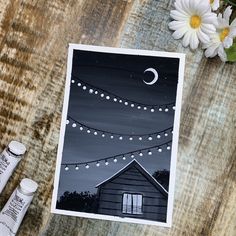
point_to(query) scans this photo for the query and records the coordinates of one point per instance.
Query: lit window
(132, 203)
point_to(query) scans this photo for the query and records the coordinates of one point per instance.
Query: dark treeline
(84, 202)
(162, 176)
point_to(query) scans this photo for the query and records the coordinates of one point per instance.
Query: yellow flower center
(211, 1)
(195, 21)
(224, 33)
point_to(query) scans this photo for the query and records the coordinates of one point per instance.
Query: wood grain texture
(34, 37)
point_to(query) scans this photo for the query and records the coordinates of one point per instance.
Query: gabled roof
(142, 170)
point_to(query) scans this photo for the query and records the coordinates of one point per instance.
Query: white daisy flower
(215, 4)
(223, 37)
(193, 20)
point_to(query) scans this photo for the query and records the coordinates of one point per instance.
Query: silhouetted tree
(83, 201)
(162, 176)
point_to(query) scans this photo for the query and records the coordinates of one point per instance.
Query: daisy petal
(204, 38)
(232, 32)
(227, 13)
(215, 5)
(211, 51)
(210, 19)
(179, 8)
(175, 25)
(185, 6)
(228, 42)
(186, 39)
(177, 15)
(203, 7)
(222, 54)
(194, 41)
(233, 23)
(208, 28)
(180, 33)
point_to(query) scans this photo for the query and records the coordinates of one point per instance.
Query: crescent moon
(155, 76)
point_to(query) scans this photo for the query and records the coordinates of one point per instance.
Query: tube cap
(28, 185)
(17, 148)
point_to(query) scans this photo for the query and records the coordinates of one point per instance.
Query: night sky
(121, 75)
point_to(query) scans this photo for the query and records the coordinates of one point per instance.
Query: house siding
(132, 181)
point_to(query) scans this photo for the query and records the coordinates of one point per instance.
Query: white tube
(13, 212)
(9, 159)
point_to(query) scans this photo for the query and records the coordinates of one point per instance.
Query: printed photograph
(117, 146)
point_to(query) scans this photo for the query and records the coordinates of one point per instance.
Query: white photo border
(174, 149)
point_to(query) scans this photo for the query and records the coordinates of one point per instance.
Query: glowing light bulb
(120, 101)
(97, 164)
(150, 138)
(168, 147)
(144, 108)
(166, 134)
(120, 138)
(149, 152)
(132, 105)
(126, 103)
(139, 107)
(160, 109)
(140, 138)
(124, 158)
(115, 99)
(79, 84)
(159, 149)
(88, 131)
(84, 87)
(132, 155)
(96, 92)
(166, 109)
(81, 128)
(67, 122)
(74, 125)
(112, 136)
(130, 138)
(102, 95)
(72, 81)
(107, 97)
(106, 163)
(158, 136)
(87, 166)
(95, 133)
(173, 107)
(103, 135)
(90, 90)
(66, 168)
(76, 167)
(152, 109)
(115, 160)
(140, 154)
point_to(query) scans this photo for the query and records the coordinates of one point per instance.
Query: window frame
(132, 205)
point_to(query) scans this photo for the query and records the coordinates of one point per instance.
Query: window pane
(135, 199)
(124, 203)
(139, 204)
(129, 203)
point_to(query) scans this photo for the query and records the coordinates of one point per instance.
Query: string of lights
(120, 136)
(104, 94)
(115, 158)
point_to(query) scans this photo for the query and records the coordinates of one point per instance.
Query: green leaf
(231, 2)
(231, 53)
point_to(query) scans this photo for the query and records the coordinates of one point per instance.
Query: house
(133, 192)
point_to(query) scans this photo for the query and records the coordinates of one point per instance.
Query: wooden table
(34, 40)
